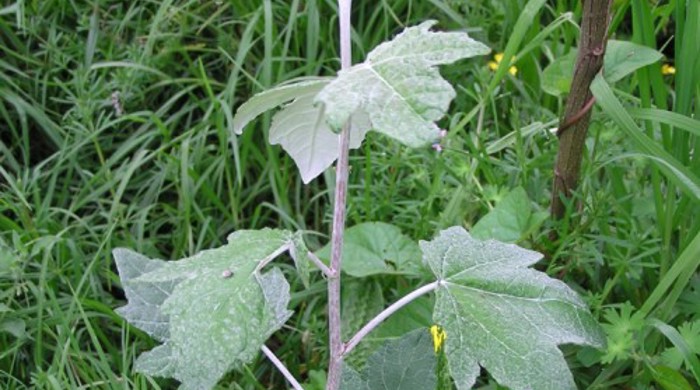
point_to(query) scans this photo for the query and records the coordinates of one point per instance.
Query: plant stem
(319, 264)
(341, 189)
(574, 124)
(283, 369)
(374, 322)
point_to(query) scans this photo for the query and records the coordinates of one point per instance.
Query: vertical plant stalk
(335, 364)
(574, 125)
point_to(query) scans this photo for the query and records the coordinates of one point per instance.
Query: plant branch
(374, 322)
(319, 264)
(341, 190)
(574, 125)
(282, 368)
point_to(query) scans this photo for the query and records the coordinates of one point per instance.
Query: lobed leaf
(406, 363)
(214, 310)
(399, 86)
(502, 316)
(300, 126)
(372, 248)
(272, 98)
(511, 220)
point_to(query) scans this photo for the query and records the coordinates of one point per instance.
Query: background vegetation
(115, 131)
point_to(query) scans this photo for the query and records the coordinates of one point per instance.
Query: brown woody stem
(577, 114)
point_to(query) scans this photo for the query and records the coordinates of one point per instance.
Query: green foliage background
(167, 179)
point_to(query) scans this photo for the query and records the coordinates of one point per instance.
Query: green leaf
(415, 315)
(557, 76)
(372, 248)
(213, 310)
(407, 363)
(670, 379)
(362, 300)
(14, 326)
(399, 86)
(674, 170)
(274, 97)
(300, 126)
(352, 380)
(621, 59)
(673, 356)
(504, 316)
(8, 258)
(145, 299)
(301, 129)
(299, 253)
(510, 220)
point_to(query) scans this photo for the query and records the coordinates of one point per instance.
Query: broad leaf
(301, 129)
(300, 126)
(362, 301)
(504, 316)
(213, 310)
(267, 100)
(399, 86)
(621, 59)
(376, 248)
(352, 380)
(670, 379)
(557, 76)
(511, 219)
(145, 299)
(407, 363)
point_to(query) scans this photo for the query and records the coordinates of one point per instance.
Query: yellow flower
(439, 337)
(668, 69)
(493, 65)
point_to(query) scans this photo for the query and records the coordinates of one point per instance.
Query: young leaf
(217, 310)
(621, 59)
(376, 248)
(504, 316)
(301, 129)
(300, 126)
(274, 97)
(399, 86)
(510, 220)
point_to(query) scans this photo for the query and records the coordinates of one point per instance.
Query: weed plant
(115, 131)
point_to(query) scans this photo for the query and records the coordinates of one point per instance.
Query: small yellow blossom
(439, 337)
(668, 69)
(493, 65)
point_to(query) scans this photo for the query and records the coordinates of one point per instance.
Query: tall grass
(167, 179)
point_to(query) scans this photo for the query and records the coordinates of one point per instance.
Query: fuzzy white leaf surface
(503, 316)
(274, 97)
(214, 310)
(301, 129)
(399, 85)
